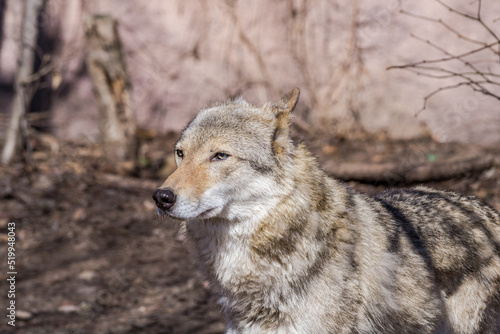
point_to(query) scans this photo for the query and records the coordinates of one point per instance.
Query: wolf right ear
(288, 101)
(282, 144)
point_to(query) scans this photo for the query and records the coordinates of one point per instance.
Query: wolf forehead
(223, 120)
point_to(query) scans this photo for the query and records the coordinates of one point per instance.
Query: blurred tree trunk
(3, 5)
(112, 87)
(17, 125)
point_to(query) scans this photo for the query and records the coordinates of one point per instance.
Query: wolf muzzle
(164, 198)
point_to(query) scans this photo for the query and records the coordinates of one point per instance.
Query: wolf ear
(288, 101)
(282, 144)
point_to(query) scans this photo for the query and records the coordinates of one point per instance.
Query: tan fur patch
(190, 179)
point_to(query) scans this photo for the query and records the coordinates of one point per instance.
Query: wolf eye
(179, 153)
(219, 156)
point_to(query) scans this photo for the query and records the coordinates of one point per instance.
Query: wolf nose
(164, 198)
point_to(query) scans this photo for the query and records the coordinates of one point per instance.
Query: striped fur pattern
(290, 250)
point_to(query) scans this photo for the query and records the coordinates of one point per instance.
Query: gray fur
(290, 250)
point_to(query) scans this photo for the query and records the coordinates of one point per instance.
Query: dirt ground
(92, 256)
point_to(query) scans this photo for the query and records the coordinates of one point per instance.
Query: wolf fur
(290, 250)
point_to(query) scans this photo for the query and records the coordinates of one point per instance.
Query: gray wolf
(290, 250)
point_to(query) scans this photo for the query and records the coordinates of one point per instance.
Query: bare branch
(450, 56)
(439, 90)
(475, 85)
(445, 25)
(475, 18)
(45, 68)
(451, 74)
(453, 10)
(459, 57)
(478, 80)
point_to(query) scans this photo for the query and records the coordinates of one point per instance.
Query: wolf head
(227, 159)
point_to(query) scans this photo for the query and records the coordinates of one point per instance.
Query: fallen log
(397, 172)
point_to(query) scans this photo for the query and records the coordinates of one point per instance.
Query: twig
(444, 24)
(439, 90)
(450, 73)
(440, 60)
(475, 18)
(45, 68)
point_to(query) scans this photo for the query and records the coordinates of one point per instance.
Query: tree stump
(112, 88)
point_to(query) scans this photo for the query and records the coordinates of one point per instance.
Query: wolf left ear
(282, 143)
